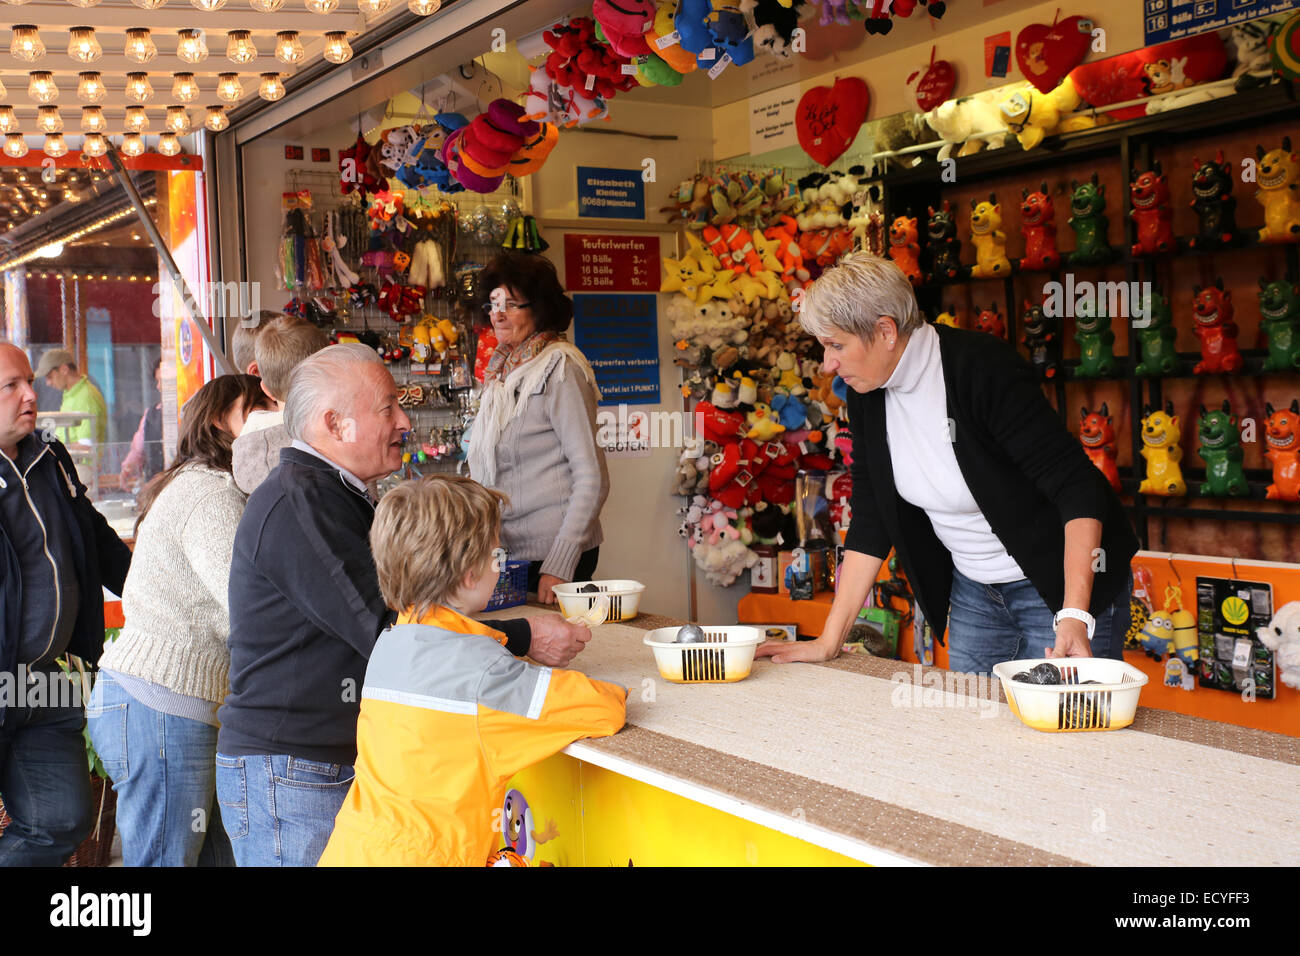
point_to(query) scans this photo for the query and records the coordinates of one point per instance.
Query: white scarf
(504, 399)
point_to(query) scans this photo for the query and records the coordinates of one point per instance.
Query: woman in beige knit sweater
(535, 434)
(152, 715)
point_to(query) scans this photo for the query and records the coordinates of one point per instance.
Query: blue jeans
(45, 783)
(163, 773)
(279, 810)
(992, 623)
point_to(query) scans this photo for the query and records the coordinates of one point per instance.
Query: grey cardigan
(548, 463)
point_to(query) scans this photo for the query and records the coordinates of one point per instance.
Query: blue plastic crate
(512, 586)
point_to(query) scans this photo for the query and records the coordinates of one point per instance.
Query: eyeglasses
(512, 307)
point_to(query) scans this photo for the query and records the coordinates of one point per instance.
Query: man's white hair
(852, 295)
(324, 382)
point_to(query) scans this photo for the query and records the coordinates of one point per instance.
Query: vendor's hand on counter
(556, 642)
(1071, 639)
(546, 588)
(785, 652)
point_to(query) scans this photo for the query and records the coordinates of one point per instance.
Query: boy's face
(476, 590)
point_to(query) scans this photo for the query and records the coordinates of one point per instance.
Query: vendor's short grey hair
(325, 381)
(852, 296)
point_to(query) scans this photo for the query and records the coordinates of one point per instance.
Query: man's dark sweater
(305, 611)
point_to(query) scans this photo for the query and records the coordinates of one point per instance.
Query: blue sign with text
(1164, 20)
(619, 334)
(610, 193)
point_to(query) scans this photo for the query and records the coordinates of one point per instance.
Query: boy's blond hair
(428, 534)
(245, 337)
(281, 347)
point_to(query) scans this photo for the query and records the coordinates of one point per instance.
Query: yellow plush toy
(448, 331)
(1160, 436)
(1033, 115)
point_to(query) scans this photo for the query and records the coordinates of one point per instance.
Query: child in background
(282, 344)
(448, 715)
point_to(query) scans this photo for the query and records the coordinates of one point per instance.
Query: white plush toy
(957, 120)
(1282, 636)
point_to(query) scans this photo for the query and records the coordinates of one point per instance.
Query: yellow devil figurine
(990, 241)
(1161, 449)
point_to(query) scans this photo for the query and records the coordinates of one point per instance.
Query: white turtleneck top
(926, 472)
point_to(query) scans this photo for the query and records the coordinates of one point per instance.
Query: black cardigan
(1027, 473)
(305, 612)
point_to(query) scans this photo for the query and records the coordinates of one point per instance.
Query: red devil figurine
(1212, 309)
(1149, 194)
(904, 248)
(990, 320)
(1038, 226)
(1097, 435)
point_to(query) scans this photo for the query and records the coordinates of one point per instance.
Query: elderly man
(305, 611)
(56, 554)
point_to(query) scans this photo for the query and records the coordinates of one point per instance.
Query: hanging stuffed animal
(772, 23)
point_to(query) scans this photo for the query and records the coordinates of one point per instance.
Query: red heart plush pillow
(1131, 76)
(1046, 54)
(930, 85)
(828, 118)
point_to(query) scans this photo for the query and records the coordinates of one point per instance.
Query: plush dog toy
(1282, 637)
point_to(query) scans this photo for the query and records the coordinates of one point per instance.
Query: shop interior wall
(639, 520)
(885, 61)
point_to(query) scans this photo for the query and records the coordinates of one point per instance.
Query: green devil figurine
(1096, 342)
(1156, 340)
(1279, 319)
(1221, 450)
(1088, 220)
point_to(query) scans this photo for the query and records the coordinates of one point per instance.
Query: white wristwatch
(1078, 615)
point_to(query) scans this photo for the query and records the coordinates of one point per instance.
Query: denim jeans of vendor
(44, 782)
(279, 810)
(992, 623)
(163, 773)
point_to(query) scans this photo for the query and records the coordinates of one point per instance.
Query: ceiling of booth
(111, 19)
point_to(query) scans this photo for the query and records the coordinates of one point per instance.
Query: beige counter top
(851, 756)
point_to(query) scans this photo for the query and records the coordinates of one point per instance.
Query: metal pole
(178, 280)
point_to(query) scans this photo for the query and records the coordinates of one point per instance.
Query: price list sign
(595, 263)
(619, 334)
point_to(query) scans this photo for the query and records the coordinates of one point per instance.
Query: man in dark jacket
(57, 553)
(306, 610)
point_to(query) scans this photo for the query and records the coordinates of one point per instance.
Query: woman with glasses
(535, 434)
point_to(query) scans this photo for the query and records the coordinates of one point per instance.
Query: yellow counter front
(864, 760)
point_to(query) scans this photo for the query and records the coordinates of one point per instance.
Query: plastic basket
(512, 586)
(624, 598)
(1107, 705)
(726, 655)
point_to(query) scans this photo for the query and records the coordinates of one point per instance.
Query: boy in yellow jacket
(448, 715)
